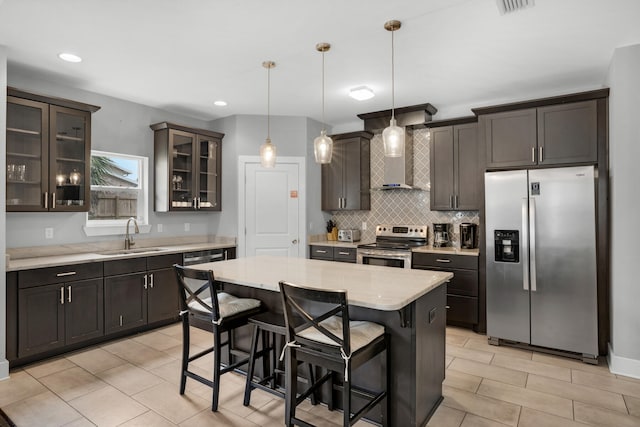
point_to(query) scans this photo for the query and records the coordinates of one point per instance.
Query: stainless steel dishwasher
(208, 255)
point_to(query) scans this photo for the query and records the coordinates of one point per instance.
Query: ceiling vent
(508, 6)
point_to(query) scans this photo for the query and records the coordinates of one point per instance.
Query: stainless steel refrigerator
(541, 258)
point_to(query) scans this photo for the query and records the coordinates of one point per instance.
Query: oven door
(384, 258)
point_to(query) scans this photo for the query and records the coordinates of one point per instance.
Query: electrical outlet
(48, 233)
(187, 226)
(159, 228)
(364, 225)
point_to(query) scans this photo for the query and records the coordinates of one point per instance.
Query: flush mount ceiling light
(323, 145)
(361, 93)
(220, 103)
(268, 150)
(393, 135)
(69, 57)
(508, 6)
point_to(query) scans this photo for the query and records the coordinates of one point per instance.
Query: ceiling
(182, 55)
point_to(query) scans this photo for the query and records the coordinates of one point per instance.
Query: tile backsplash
(402, 206)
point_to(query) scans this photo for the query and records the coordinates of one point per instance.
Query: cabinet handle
(447, 307)
(62, 295)
(68, 273)
(321, 251)
(533, 154)
(451, 201)
(69, 293)
(53, 200)
(455, 201)
(540, 155)
(443, 260)
(145, 281)
(121, 320)
(344, 253)
(151, 280)
(225, 255)
(46, 200)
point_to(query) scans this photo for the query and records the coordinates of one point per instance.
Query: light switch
(187, 226)
(159, 228)
(48, 233)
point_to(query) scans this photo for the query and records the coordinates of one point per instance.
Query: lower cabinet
(57, 314)
(333, 253)
(140, 291)
(462, 290)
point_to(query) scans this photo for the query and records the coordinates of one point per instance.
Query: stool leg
(274, 360)
(330, 405)
(216, 368)
(252, 364)
(185, 351)
(291, 387)
(387, 383)
(346, 399)
(312, 381)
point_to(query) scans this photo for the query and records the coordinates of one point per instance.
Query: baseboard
(4, 369)
(623, 366)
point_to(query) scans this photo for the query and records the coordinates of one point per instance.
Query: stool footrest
(199, 355)
(198, 378)
(308, 392)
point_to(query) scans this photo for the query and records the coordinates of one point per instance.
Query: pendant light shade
(323, 145)
(268, 150)
(393, 136)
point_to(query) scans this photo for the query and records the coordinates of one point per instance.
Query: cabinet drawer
(61, 274)
(125, 266)
(421, 259)
(163, 261)
(464, 282)
(462, 309)
(322, 252)
(344, 254)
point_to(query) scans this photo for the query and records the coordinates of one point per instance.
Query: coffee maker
(468, 235)
(441, 235)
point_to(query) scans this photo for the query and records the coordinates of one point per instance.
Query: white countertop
(81, 258)
(336, 244)
(447, 250)
(381, 288)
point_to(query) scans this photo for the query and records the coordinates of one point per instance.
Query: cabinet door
(510, 138)
(441, 168)
(125, 304)
(568, 133)
(84, 310)
(27, 155)
(41, 319)
(354, 195)
(466, 167)
(69, 152)
(162, 295)
(209, 163)
(332, 179)
(182, 152)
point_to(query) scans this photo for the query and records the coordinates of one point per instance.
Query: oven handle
(375, 255)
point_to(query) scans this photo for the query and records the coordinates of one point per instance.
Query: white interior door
(273, 209)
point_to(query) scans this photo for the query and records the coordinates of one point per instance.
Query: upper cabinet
(48, 152)
(454, 165)
(346, 180)
(563, 132)
(187, 168)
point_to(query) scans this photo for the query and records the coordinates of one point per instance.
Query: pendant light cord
(323, 120)
(269, 104)
(393, 79)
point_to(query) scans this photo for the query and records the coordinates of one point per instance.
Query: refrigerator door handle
(532, 241)
(524, 244)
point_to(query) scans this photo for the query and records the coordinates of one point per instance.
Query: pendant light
(393, 136)
(323, 145)
(268, 150)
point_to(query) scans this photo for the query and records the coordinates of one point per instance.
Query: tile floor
(133, 382)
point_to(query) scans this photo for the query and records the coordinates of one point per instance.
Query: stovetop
(398, 237)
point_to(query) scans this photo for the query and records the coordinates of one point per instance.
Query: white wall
(4, 365)
(624, 153)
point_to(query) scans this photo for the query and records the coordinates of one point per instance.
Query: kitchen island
(409, 303)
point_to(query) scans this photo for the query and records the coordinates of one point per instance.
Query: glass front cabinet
(187, 168)
(48, 152)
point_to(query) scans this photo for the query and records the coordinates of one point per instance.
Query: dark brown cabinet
(140, 291)
(333, 253)
(462, 290)
(454, 168)
(58, 308)
(542, 136)
(346, 180)
(187, 168)
(48, 152)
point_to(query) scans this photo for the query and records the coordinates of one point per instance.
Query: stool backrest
(195, 287)
(306, 308)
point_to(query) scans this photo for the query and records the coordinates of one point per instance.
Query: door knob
(294, 241)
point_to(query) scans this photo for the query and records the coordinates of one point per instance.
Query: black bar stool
(201, 298)
(269, 328)
(333, 341)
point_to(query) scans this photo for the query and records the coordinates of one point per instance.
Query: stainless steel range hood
(398, 171)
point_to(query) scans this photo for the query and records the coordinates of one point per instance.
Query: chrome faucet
(128, 239)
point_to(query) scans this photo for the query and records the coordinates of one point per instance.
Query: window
(119, 191)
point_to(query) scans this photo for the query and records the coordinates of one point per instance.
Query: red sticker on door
(293, 194)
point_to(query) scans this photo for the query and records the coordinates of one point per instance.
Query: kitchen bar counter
(409, 303)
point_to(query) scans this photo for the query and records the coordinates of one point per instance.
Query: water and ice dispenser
(507, 245)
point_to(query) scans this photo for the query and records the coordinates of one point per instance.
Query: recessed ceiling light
(69, 57)
(220, 103)
(361, 93)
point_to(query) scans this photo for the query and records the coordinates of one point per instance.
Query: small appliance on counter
(349, 235)
(441, 235)
(468, 235)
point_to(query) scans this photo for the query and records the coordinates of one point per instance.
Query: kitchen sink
(131, 251)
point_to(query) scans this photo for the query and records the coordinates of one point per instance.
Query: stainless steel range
(393, 245)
